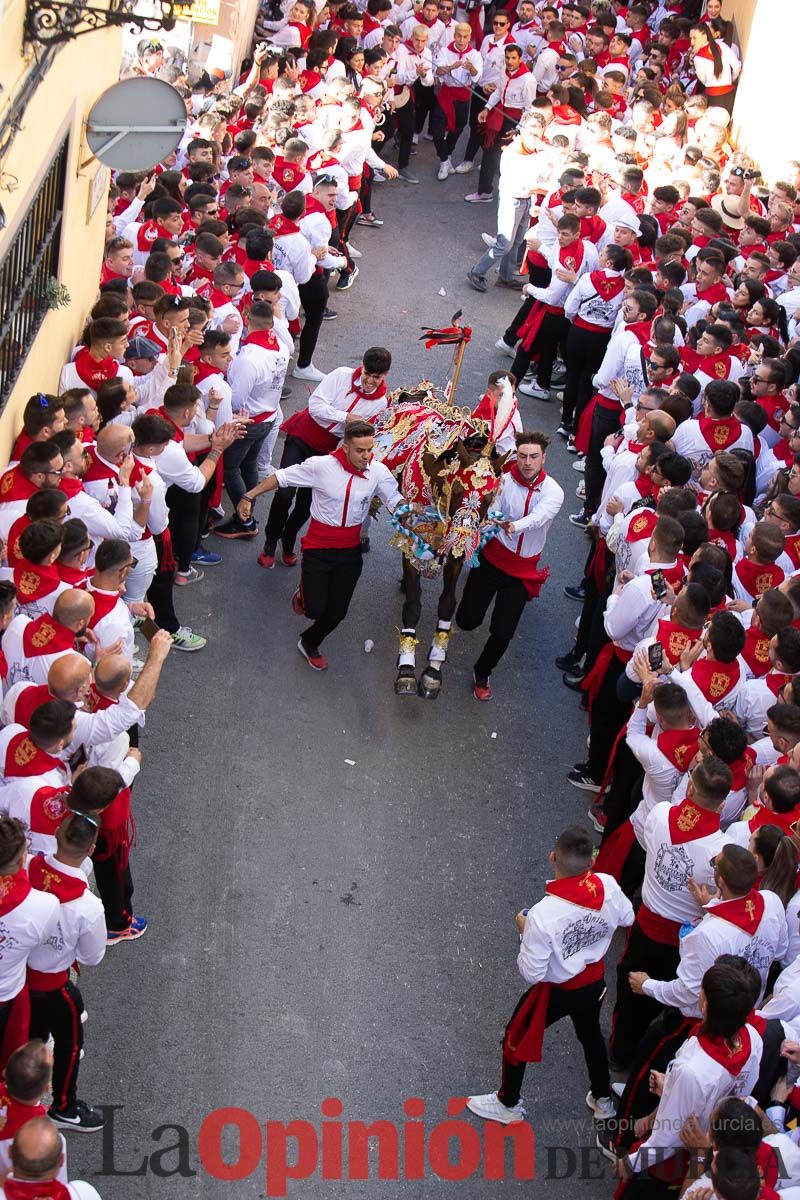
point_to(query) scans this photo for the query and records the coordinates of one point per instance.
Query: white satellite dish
(135, 124)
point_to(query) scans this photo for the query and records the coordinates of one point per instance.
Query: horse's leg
(430, 683)
(406, 682)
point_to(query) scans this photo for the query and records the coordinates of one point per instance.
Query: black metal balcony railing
(29, 262)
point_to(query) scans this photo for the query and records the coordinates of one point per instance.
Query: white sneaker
(580, 463)
(604, 1108)
(618, 1088)
(445, 169)
(309, 373)
(464, 168)
(533, 389)
(415, 140)
(580, 490)
(490, 1108)
(479, 198)
(351, 250)
(488, 239)
(504, 348)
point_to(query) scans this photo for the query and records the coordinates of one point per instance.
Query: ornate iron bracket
(52, 21)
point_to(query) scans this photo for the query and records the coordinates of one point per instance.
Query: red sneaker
(267, 561)
(313, 657)
(297, 603)
(288, 560)
(481, 691)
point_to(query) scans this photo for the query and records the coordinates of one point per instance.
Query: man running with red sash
(342, 486)
(564, 940)
(344, 395)
(509, 572)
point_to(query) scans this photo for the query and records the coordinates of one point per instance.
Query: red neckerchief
(204, 370)
(559, 47)
(565, 114)
(21, 1189)
(262, 337)
(741, 769)
(765, 816)
(14, 1114)
(673, 575)
(70, 485)
(636, 201)
(313, 205)
(46, 878)
(715, 679)
(644, 485)
(530, 484)
(33, 581)
(281, 226)
(13, 552)
(717, 1048)
(756, 651)
(640, 330)
(304, 30)
(745, 912)
(355, 389)
(23, 759)
(593, 228)
(98, 470)
(454, 49)
(688, 822)
(757, 579)
(674, 638)
(726, 539)
(177, 434)
(607, 286)
(768, 1163)
(585, 890)
(320, 160)
(104, 603)
(679, 746)
(775, 680)
(716, 365)
(496, 45)
(218, 299)
(720, 432)
(150, 232)
(420, 20)
(343, 461)
(76, 577)
(15, 486)
(13, 890)
(289, 177)
(308, 80)
(641, 526)
(571, 256)
(45, 636)
(792, 548)
(93, 372)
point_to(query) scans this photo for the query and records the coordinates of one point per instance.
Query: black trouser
(161, 594)
(281, 524)
(490, 161)
(476, 106)
(544, 347)
(424, 103)
(240, 461)
(608, 716)
(773, 1064)
(328, 580)
(632, 1013)
(187, 519)
(405, 118)
(485, 584)
(625, 790)
(365, 194)
(591, 635)
(605, 421)
(59, 1013)
(314, 298)
(662, 1041)
(345, 220)
(444, 139)
(582, 1006)
(114, 885)
(583, 353)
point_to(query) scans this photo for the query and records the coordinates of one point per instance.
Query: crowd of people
(659, 280)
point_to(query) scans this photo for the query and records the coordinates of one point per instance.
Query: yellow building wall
(80, 71)
(763, 121)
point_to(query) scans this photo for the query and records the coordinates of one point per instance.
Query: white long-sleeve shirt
(557, 290)
(660, 773)
(531, 510)
(632, 613)
(583, 301)
(669, 867)
(333, 400)
(339, 497)
(714, 935)
(694, 1085)
(81, 934)
(459, 76)
(292, 253)
(561, 939)
(21, 931)
(519, 92)
(407, 62)
(256, 377)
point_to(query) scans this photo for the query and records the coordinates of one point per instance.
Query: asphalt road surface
(330, 871)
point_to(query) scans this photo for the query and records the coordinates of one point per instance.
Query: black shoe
(605, 1140)
(365, 545)
(569, 662)
(81, 1117)
(580, 779)
(580, 520)
(235, 528)
(573, 680)
(329, 315)
(576, 593)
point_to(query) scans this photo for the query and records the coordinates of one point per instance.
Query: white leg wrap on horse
(408, 641)
(438, 652)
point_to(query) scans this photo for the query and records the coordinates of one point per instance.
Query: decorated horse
(447, 467)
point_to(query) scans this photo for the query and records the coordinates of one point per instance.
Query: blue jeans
(512, 214)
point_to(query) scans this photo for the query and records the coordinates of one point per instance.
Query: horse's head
(464, 479)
